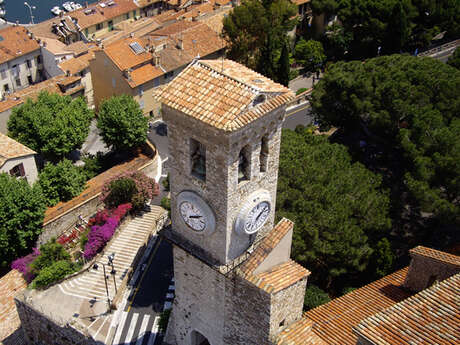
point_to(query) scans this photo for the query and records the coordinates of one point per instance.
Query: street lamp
(30, 10)
(95, 266)
(112, 272)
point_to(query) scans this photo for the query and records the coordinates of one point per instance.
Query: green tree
(314, 297)
(122, 123)
(50, 274)
(382, 259)
(256, 31)
(53, 125)
(282, 75)
(122, 191)
(61, 181)
(310, 54)
(410, 104)
(22, 209)
(50, 253)
(454, 60)
(336, 205)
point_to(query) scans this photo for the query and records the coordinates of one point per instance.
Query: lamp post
(30, 10)
(95, 266)
(112, 272)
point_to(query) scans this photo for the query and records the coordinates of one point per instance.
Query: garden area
(123, 196)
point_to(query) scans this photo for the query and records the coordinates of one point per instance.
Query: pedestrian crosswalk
(91, 284)
(136, 329)
(140, 328)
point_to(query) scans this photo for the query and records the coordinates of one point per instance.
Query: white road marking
(154, 332)
(143, 330)
(121, 325)
(132, 326)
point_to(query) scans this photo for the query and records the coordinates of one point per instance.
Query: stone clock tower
(224, 127)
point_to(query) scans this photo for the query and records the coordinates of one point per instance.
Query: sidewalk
(303, 82)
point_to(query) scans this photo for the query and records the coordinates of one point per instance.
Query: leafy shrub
(165, 183)
(122, 191)
(61, 181)
(100, 217)
(50, 253)
(166, 203)
(164, 318)
(23, 265)
(314, 297)
(53, 273)
(347, 289)
(299, 91)
(84, 239)
(118, 190)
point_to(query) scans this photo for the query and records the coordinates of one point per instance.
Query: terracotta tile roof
(11, 285)
(175, 28)
(430, 317)
(77, 64)
(333, 321)
(436, 254)
(269, 242)
(279, 277)
(15, 42)
(10, 148)
(144, 74)
(69, 80)
(32, 91)
(165, 16)
(123, 56)
(78, 47)
(101, 14)
(222, 97)
(299, 333)
(55, 46)
(215, 22)
(45, 28)
(300, 2)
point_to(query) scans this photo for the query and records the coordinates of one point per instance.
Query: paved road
(154, 293)
(299, 115)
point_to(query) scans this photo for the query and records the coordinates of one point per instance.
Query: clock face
(254, 213)
(193, 216)
(257, 217)
(195, 212)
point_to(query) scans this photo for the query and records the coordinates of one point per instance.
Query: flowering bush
(23, 264)
(99, 235)
(100, 218)
(121, 188)
(64, 239)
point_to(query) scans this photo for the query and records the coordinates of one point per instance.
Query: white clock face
(254, 213)
(195, 212)
(193, 216)
(257, 217)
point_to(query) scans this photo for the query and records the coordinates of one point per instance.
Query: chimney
(428, 266)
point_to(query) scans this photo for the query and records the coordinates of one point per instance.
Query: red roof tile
(15, 42)
(436, 254)
(430, 317)
(11, 285)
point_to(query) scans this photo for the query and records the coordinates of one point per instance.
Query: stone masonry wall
(221, 190)
(286, 307)
(39, 329)
(423, 271)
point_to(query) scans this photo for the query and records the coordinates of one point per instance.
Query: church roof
(430, 317)
(280, 277)
(221, 93)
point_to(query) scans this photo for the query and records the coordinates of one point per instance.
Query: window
(156, 82)
(29, 80)
(6, 87)
(110, 25)
(127, 15)
(3, 73)
(99, 26)
(263, 158)
(39, 59)
(86, 32)
(243, 164)
(15, 69)
(141, 104)
(18, 82)
(134, 14)
(198, 159)
(114, 82)
(29, 63)
(169, 75)
(18, 171)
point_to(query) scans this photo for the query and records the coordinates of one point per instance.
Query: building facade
(21, 62)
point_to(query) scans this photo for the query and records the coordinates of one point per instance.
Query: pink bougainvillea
(23, 264)
(99, 235)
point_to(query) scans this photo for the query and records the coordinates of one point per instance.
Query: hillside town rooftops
(15, 42)
(10, 148)
(430, 317)
(223, 94)
(77, 64)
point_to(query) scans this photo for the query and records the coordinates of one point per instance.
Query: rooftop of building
(15, 42)
(223, 93)
(429, 317)
(10, 148)
(50, 85)
(436, 255)
(77, 64)
(11, 284)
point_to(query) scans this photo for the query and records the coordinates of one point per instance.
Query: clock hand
(195, 216)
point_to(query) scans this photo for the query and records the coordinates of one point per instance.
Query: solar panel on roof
(136, 47)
